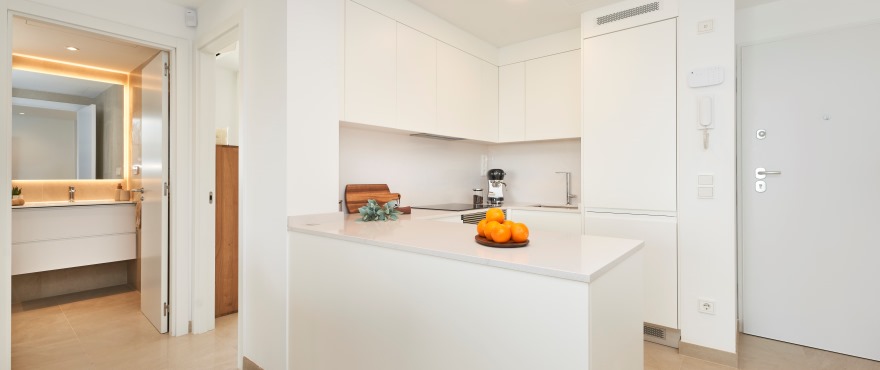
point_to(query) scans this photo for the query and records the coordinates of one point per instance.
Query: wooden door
(226, 232)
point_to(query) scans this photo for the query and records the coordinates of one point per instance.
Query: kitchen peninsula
(421, 294)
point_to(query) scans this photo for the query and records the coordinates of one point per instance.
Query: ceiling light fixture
(21, 113)
(72, 48)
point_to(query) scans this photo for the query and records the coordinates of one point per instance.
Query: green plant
(372, 211)
(16, 190)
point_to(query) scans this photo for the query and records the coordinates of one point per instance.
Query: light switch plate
(705, 179)
(705, 192)
(706, 26)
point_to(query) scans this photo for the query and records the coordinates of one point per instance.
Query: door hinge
(165, 313)
(166, 188)
(167, 69)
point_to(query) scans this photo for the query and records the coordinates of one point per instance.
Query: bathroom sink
(555, 206)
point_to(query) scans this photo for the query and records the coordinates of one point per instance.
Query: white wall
(226, 103)
(540, 47)
(43, 144)
(707, 227)
(784, 18)
(5, 188)
(423, 171)
(531, 170)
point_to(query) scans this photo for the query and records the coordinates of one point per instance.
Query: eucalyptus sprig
(16, 190)
(372, 211)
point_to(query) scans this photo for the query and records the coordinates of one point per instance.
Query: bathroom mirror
(66, 128)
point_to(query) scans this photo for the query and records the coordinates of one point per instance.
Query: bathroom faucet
(568, 194)
(70, 191)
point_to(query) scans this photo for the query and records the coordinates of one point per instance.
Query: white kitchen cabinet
(629, 124)
(467, 95)
(562, 222)
(51, 238)
(370, 66)
(512, 102)
(553, 97)
(416, 81)
(660, 235)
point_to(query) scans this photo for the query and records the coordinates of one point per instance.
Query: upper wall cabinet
(553, 97)
(467, 95)
(370, 66)
(540, 99)
(416, 80)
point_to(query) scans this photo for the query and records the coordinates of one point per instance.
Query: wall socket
(707, 306)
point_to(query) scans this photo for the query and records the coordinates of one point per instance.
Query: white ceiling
(47, 40)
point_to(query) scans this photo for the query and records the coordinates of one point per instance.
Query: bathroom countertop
(65, 203)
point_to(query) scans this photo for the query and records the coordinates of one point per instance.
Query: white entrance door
(810, 247)
(154, 211)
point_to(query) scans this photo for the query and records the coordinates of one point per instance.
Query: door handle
(138, 190)
(761, 173)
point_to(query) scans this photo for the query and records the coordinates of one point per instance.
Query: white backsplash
(531, 170)
(427, 171)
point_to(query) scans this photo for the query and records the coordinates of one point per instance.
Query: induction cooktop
(452, 207)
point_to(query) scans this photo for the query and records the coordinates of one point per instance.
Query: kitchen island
(421, 294)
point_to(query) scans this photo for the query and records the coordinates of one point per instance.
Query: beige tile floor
(104, 329)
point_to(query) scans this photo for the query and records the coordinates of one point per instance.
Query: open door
(154, 201)
(86, 141)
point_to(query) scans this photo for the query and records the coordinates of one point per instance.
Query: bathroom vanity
(59, 235)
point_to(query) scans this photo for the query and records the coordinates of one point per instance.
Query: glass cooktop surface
(452, 207)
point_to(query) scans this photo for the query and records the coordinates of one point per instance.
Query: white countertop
(71, 204)
(572, 257)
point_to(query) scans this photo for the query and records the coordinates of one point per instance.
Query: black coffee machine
(496, 185)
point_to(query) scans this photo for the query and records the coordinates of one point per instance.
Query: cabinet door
(629, 138)
(464, 95)
(561, 222)
(660, 235)
(416, 80)
(370, 66)
(512, 103)
(553, 97)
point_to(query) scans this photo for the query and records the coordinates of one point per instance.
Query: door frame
(207, 45)
(181, 151)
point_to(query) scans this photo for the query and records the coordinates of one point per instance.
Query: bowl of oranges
(495, 231)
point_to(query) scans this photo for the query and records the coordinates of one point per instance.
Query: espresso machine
(496, 186)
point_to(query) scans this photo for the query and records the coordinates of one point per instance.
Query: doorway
(122, 139)
(809, 175)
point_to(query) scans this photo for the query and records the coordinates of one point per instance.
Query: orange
(501, 234)
(481, 226)
(490, 228)
(495, 214)
(519, 232)
(508, 222)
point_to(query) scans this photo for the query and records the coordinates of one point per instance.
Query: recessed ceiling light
(21, 113)
(72, 48)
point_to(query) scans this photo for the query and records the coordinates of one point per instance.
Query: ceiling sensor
(72, 48)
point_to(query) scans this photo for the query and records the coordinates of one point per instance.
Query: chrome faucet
(568, 194)
(70, 191)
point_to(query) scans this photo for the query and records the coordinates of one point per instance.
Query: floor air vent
(624, 14)
(661, 335)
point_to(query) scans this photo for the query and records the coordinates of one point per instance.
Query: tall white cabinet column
(629, 151)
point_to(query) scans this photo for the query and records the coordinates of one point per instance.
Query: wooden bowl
(511, 244)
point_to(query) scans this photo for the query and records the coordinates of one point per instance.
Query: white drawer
(53, 223)
(67, 253)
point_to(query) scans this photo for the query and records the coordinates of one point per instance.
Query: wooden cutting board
(356, 195)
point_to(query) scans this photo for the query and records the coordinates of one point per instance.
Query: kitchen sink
(555, 206)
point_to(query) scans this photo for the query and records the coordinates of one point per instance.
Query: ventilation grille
(475, 218)
(655, 332)
(436, 137)
(624, 14)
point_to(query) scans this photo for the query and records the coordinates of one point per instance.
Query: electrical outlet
(705, 26)
(707, 306)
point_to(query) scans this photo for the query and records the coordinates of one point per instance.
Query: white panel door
(370, 66)
(86, 142)
(553, 96)
(154, 210)
(512, 103)
(416, 81)
(660, 234)
(629, 119)
(810, 250)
